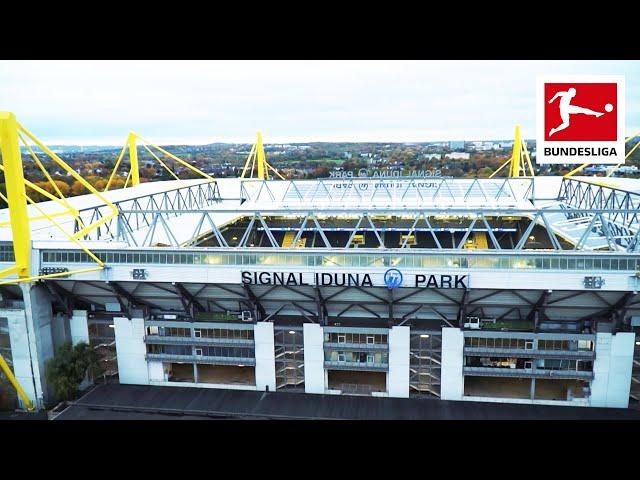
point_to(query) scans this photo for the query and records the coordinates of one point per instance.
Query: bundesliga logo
(580, 119)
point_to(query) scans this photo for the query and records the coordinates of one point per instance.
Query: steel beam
(192, 302)
(255, 302)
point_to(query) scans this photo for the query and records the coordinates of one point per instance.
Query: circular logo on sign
(393, 278)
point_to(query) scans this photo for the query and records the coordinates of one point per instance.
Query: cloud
(203, 101)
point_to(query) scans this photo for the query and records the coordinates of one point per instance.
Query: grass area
(216, 316)
(508, 325)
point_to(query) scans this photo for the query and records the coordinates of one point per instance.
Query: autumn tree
(78, 189)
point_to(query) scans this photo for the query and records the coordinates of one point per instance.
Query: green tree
(70, 365)
(485, 172)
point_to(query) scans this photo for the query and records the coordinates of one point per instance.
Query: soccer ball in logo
(580, 112)
(393, 278)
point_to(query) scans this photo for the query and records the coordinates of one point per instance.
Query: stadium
(519, 289)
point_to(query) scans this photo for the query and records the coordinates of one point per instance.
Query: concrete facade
(79, 329)
(314, 374)
(156, 371)
(612, 370)
(452, 386)
(265, 356)
(398, 377)
(132, 364)
(26, 372)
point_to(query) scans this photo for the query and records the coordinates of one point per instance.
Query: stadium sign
(580, 119)
(391, 279)
(385, 173)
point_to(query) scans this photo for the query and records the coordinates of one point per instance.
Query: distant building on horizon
(458, 156)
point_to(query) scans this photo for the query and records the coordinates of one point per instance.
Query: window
(529, 345)
(342, 338)
(197, 333)
(341, 357)
(198, 352)
(371, 358)
(585, 345)
(370, 339)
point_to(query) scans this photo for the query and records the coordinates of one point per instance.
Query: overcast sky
(98, 102)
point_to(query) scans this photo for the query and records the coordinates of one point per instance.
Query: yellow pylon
(131, 146)
(519, 162)
(11, 133)
(257, 161)
(14, 178)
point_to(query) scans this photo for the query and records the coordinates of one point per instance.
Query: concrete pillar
(452, 381)
(39, 319)
(79, 332)
(156, 371)
(532, 389)
(398, 378)
(79, 327)
(314, 375)
(265, 356)
(612, 369)
(60, 329)
(131, 350)
(24, 369)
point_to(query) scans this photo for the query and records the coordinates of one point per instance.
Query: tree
(485, 172)
(77, 188)
(100, 184)
(70, 365)
(48, 187)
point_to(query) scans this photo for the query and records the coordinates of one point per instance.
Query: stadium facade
(509, 290)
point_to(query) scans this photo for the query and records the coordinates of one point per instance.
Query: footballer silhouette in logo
(567, 109)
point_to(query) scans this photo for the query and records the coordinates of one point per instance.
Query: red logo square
(580, 112)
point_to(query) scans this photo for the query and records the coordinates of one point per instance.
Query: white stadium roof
(324, 196)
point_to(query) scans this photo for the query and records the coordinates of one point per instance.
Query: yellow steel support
(14, 179)
(133, 177)
(11, 133)
(519, 162)
(12, 379)
(262, 158)
(162, 164)
(514, 170)
(576, 170)
(257, 160)
(133, 159)
(82, 181)
(115, 167)
(584, 165)
(179, 160)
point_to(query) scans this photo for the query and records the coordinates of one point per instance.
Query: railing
(136, 213)
(423, 389)
(525, 372)
(229, 342)
(529, 353)
(619, 217)
(298, 367)
(201, 359)
(355, 365)
(356, 346)
(402, 190)
(357, 388)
